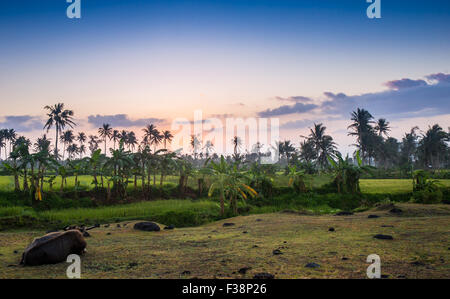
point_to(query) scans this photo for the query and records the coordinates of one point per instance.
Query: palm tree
(237, 142)
(432, 146)
(82, 150)
(195, 144)
(105, 132)
(123, 137)
(60, 118)
(323, 144)
(67, 138)
(152, 136)
(167, 136)
(72, 149)
(42, 144)
(408, 147)
(93, 143)
(382, 127)
(288, 149)
(307, 151)
(81, 138)
(11, 137)
(115, 137)
(362, 129)
(156, 139)
(2, 141)
(131, 140)
(209, 147)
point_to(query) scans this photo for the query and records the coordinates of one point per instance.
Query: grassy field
(419, 249)
(180, 212)
(391, 185)
(367, 185)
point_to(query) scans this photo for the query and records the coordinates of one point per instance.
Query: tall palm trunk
(16, 182)
(56, 143)
(25, 179)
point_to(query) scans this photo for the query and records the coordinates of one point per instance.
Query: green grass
(367, 185)
(419, 248)
(150, 210)
(7, 182)
(385, 186)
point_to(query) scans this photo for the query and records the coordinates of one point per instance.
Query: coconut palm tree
(237, 142)
(115, 137)
(11, 136)
(105, 132)
(382, 127)
(81, 138)
(82, 150)
(288, 149)
(59, 118)
(408, 147)
(42, 144)
(2, 141)
(196, 146)
(131, 141)
(362, 129)
(307, 151)
(167, 137)
(67, 138)
(209, 148)
(123, 137)
(432, 146)
(72, 149)
(93, 143)
(156, 139)
(152, 135)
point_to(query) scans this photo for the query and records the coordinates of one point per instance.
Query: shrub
(428, 196)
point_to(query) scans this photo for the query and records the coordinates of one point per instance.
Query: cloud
(335, 96)
(439, 77)
(405, 83)
(120, 120)
(294, 99)
(22, 123)
(287, 109)
(419, 100)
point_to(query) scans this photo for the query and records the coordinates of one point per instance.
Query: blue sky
(144, 60)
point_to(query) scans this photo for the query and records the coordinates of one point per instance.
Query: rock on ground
(147, 226)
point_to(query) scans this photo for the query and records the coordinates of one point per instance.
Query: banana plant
(229, 181)
(262, 178)
(121, 162)
(166, 162)
(346, 174)
(422, 182)
(94, 162)
(297, 179)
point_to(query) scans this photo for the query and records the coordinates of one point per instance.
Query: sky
(130, 63)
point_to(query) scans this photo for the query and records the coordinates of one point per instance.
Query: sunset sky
(133, 62)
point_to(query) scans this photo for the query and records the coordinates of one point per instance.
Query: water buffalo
(53, 248)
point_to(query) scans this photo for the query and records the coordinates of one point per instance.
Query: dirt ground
(420, 247)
